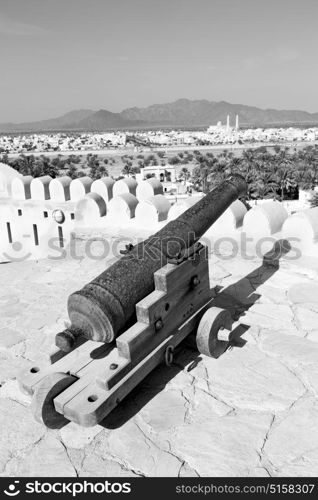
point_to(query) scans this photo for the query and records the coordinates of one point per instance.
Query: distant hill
(181, 113)
(104, 119)
(203, 113)
(65, 121)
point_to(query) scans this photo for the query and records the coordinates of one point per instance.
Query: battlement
(40, 214)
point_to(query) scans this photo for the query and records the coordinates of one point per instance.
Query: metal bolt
(158, 324)
(169, 355)
(113, 366)
(195, 281)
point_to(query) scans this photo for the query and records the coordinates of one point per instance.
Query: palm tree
(314, 200)
(45, 166)
(307, 178)
(4, 158)
(225, 154)
(127, 169)
(184, 175)
(285, 172)
(248, 156)
(200, 178)
(72, 171)
(235, 165)
(286, 179)
(219, 171)
(26, 164)
(265, 185)
(99, 172)
(249, 170)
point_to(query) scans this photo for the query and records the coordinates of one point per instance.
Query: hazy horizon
(95, 109)
(114, 54)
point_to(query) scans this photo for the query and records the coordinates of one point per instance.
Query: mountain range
(180, 113)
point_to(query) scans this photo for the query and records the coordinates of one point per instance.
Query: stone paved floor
(252, 412)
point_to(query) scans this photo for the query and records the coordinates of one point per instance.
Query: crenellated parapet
(40, 209)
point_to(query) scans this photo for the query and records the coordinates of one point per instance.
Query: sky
(60, 55)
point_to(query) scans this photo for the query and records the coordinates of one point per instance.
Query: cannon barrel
(102, 308)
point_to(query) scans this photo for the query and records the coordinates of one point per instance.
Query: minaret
(228, 123)
(237, 122)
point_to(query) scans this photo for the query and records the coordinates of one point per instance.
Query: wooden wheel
(214, 331)
(42, 403)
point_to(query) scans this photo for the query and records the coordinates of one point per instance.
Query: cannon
(131, 317)
(103, 307)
